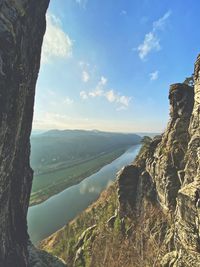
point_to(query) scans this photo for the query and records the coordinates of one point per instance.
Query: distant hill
(56, 146)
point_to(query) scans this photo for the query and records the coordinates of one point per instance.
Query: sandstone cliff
(151, 215)
(22, 26)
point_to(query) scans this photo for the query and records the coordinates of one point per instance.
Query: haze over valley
(63, 158)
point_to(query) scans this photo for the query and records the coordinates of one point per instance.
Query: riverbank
(48, 184)
(51, 215)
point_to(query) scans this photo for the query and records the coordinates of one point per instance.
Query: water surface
(47, 217)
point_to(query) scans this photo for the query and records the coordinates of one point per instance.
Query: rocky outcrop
(156, 219)
(192, 155)
(167, 161)
(187, 223)
(85, 237)
(158, 210)
(128, 179)
(40, 258)
(22, 26)
(172, 165)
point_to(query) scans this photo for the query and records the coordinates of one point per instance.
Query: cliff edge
(151, 215)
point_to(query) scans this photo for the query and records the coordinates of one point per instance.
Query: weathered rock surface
(187, 223)
(80, 246)
(40, 258)
(128, 180)
(22, 26)
(158, 211)
(168, 158)
(158, 195)
(172, 165)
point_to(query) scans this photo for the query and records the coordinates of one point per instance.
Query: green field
(63, 158)
(49, 184)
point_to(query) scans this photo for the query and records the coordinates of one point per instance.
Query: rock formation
(172, 166)
(158, 210)
(22, 26)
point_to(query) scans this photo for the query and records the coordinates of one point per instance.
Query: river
(47, 217)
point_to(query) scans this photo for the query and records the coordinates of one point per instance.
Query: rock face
(128, 181)
(165, 164)
(169, 165)
(173, 167)
(40, 258)
(158, 209)
(22, 26)
(172, 164)
(187, 223)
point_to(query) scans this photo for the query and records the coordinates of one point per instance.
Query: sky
(108, 64)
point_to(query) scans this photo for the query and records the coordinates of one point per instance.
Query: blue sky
(108, 64)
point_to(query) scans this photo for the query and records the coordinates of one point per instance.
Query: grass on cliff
(138, 242)
(63, 243)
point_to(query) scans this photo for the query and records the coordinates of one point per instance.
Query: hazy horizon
(89, 130)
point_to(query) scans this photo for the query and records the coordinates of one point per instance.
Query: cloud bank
(56, 44)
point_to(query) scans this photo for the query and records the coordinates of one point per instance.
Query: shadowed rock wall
(22, 26)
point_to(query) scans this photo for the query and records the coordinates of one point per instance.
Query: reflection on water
(54, 213)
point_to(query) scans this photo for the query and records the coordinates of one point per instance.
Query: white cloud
(68, 101)
(154, 75)
(97, 92)
(103, 81)
(151, 41)
(56, 44)
(113, 96)
(85, 76)
(124, 100)
(83, 95)
(160, 23)
(110, 95)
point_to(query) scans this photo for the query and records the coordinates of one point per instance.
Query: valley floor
(53, 182)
